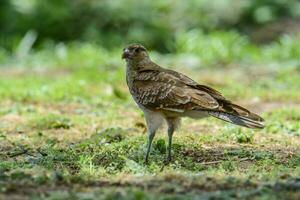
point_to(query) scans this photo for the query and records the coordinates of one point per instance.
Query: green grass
(70, 130)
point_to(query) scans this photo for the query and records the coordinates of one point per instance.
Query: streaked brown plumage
(167, 95)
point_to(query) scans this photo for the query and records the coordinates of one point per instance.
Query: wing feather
(163, 90)
(171, 91)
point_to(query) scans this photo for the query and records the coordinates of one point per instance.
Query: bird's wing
(188, 81)
(225, 106)
(171, 91)
(162, 89)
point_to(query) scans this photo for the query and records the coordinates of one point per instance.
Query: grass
(70, 130)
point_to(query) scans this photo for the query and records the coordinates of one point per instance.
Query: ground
(70, 130)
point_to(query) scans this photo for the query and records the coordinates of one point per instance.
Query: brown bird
(167, 95)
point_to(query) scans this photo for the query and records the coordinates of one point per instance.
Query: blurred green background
(158, 24)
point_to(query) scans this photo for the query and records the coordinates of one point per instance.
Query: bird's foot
(146, 162)
(168, 160)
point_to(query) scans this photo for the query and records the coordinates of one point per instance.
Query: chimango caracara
(167, 95)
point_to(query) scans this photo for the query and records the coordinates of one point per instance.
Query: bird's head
(135, 53)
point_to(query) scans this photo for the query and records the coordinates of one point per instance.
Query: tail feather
(236, 114)
(243, 112)
(238, 120)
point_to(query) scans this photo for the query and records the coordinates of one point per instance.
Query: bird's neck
(133, 67)
(138, 64)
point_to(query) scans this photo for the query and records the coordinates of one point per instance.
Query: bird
(166, 95)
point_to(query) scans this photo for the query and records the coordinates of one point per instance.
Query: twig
(211, 162)
(23, 151)
(246, 159)
(219, 161)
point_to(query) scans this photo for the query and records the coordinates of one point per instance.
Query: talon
(146, 162)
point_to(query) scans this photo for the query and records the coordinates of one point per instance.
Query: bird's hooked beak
(126, 53)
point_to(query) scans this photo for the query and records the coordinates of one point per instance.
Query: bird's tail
(238, 115)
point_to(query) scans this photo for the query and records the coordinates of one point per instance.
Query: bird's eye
(137, 50)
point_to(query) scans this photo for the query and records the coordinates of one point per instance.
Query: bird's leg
(153, 121)
(170, 135)
(150, 139)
